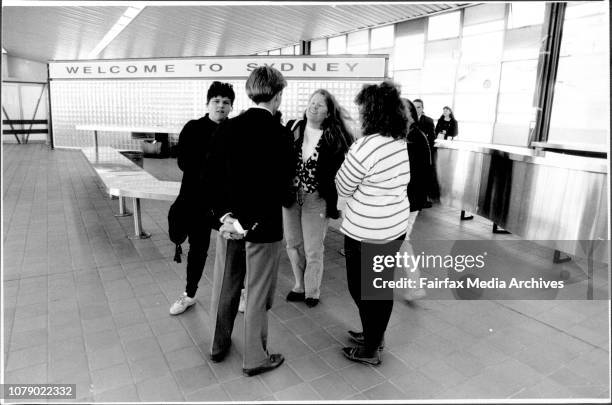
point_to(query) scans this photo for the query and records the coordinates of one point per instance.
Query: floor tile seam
(386, 381)
(82, 335)
(593, 346)
(197, 348)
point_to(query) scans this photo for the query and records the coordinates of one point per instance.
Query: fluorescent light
(123, 21)
(133, 11)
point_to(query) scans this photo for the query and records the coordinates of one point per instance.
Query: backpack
(178, 225)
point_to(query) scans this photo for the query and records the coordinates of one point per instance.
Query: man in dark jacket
(426, 125)
(251, 172)
(194, 144)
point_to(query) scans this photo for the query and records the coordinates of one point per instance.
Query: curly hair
(335, 132)
(382, 111)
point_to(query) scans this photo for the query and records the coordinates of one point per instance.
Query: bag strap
(177, 253)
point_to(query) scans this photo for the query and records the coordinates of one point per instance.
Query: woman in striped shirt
(374, 179)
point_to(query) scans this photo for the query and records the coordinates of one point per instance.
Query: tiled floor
(85, 305)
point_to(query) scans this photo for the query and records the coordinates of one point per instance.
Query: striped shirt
(374, 178)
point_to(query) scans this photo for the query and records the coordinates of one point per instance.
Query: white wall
(14, 68)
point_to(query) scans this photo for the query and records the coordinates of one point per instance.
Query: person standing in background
(447, 124)
(426, 125)
(251, 168)
(420, 177)
(320, 141)
(193, 146)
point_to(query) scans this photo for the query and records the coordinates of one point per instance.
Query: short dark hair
(264, 83)
(418, 100)
(219, 89)
(382, 110)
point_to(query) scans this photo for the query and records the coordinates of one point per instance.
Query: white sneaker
(181, 304)
(414, 294)
(242, 305)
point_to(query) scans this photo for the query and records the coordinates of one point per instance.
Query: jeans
(305, 227)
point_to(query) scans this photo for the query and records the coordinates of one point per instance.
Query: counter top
(125, 128)
(572, 146)
(529, 155)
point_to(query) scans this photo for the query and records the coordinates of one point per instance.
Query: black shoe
(220, 356)
(352, 353)
(427, 204)
(357, 337)
(274, 361)
(296, 296)
(312, 302)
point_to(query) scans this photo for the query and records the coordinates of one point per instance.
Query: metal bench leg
(138, 232)
(498, 229)
(466, 217)
(123, 212)
(558, 259)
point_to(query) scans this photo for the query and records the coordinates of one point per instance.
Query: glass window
(382, 37)
(482, 28)
(318, 47)
(585, 35)
(409, 52)
(296, 50)
(523, 43)
(288, 50)
(262, 53)
(410, 82)
(336, 45)
(524, 14)
(483, 13)
(275, 52)
(357, 42)
(443, 26)
(584, 9)
(439, 78)
(581, 104)
(472, 48)
(476, 78)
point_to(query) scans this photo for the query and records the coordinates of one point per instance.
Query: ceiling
(44, 33)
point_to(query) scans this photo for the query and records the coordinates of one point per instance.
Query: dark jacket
(193, 147)
(420, 168)
(426, 125)
(250, 168)
(328, 163)
(449, 126)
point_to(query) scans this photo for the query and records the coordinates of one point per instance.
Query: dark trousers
(199, 239)
(434, 187)
(374, 314)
